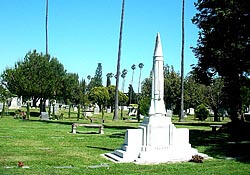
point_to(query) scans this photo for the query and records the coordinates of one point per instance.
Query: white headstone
(75, 109)
(87, 114)
(108, 110)
(96, 109)
(16, 103)
(190, 111)
(156, 140)
(44, 116)
(1, 107)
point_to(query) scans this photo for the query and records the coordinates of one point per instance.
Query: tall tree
(215, 96)
(70, 88)
(223, 47)
(124, 73)
(37, 76)
(96, 81)
(118, 65)
(133, 67)
(181, 115)
(141, 65)
(46, 26)
(172, 90)
(109, 76)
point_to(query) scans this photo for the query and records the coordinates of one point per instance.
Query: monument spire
(156, 140)
(157, 106)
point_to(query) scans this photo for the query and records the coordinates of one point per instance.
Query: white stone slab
(44, 116)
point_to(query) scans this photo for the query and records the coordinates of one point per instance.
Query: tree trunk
(28, 110)
(42, 105)
(234, 100)
(69, 111)
(181, 117)
(216, 117)
(3, 110)
(53, 111)
(78, 112)
(102, 112)
(46, 26)
(118, 66)
(122, 112)
(49, 108)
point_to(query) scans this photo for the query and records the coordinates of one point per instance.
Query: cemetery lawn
(50, 148)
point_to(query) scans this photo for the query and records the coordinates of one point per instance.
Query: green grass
(45, 146)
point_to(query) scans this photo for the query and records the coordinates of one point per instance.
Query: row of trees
(195, 93)
(41, 77)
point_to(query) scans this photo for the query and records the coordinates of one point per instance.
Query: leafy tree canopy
(37, 75)
(223, 46)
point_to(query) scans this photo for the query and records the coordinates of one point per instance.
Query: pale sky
(83, 33)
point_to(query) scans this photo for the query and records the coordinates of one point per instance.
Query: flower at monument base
(197, 159)
(20, 164)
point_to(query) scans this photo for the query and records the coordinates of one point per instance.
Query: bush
(144, 106)
(201, 112)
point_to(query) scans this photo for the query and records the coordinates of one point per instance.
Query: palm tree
(109, 76)
(88, 77)
(181, 117)
(46, 26)
(133, 67)
(141, 65)
(118, 65)
(124, 73)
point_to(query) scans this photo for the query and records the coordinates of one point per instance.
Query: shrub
(201, 112)
(144, 106)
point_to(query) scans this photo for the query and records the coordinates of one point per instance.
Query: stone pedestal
(156, 140)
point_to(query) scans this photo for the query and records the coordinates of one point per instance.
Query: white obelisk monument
(156, 140)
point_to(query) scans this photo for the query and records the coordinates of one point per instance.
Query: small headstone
(9, 167)
(16, 103)
(64, 167)
(97, 110)
(169, 113)
(133, 112)
(99, 166)
(75, 109)
(56, 137)
(88, 114)
(108, 110)
(44, 116)
(190, 111)
(6, 136)
(44, 148)
(1, 107)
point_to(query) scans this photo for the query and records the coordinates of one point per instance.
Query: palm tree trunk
(46, 26)
(139, 82)
(181, 117)
(118, 65)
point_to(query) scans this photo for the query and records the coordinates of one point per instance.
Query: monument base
(156, 140)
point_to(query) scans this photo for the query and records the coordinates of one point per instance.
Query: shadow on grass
(117, 135)
(87, 132)
(193, 124)
(51, 121)
(101, 148)
(223, 144)
(119, 127)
